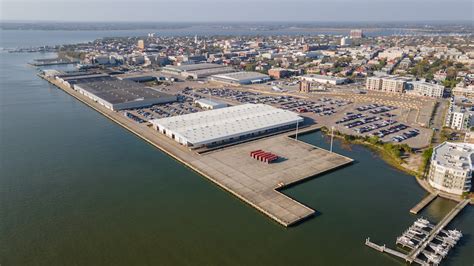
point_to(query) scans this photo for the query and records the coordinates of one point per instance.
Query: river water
(77, 189)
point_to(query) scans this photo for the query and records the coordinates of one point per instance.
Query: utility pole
(332, 138)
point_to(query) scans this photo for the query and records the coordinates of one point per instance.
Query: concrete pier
(232, 168)
(423, 203)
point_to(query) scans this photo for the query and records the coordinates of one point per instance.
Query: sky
(236, 10)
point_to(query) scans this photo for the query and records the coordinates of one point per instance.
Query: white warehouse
(215, 127)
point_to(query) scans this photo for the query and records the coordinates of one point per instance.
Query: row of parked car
(134, 117)
(349, 117)
(382, 109)
(362, 121)
(391, 130)
(374, 126)
(406, 135)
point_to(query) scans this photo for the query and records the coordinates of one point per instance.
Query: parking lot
(388, 122)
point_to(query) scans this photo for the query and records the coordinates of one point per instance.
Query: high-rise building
(451, 167)
(305, 86)
(141, 45)
(356, 34)
(345, 41)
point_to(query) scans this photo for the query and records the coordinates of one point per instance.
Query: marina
(424, 238)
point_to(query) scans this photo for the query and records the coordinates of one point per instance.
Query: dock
(425, 238)
(423, 203)
(437, 229)
(392, 252)
(232, 169)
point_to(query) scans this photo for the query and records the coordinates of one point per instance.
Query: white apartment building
(459, 118)
(422, 88)
(451, 167)
(392, 84)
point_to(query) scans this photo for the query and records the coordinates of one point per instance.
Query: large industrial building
(451, 167)
(215, 127)
(242, 78)
(118, 94)
(324, 79)
(197, 71)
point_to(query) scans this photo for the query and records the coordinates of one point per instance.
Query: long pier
(392, 252)
(437, 229)
(423, 203)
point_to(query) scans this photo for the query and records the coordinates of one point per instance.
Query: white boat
(432, 257)
(439, 249)
(405, 240)
(423, 221)
(455, 233)
(420, 225)
(416, 232)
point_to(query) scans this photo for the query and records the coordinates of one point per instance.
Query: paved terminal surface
(256, 182)
(233, 169)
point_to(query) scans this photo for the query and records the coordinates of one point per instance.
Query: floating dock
(424, 240)
(423, 203)
(232, 169)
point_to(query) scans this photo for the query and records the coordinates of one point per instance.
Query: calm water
(77, 189)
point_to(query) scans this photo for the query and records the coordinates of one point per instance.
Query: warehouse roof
(243, 75)
(192, 67)
(222, 124)
(117, 91)
(323, 77)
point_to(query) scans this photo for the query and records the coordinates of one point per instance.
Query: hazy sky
(237, 10)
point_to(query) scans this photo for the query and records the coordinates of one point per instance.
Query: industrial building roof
(192, 67)
(117, 91)
(210, 102)
(222, 124)
(242, 76)
(458, 156)
(323, 77)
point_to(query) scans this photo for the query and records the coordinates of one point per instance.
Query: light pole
(332, 138)
(296, 136)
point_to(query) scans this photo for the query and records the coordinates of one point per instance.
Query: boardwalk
(423, 203)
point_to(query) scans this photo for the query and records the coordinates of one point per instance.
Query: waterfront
(78, 189)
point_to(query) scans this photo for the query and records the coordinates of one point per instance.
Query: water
(77, 189)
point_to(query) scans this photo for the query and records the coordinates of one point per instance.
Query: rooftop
(117, 91)
(193, 67)
(243, 75)
(458, 156)
(221, 124)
